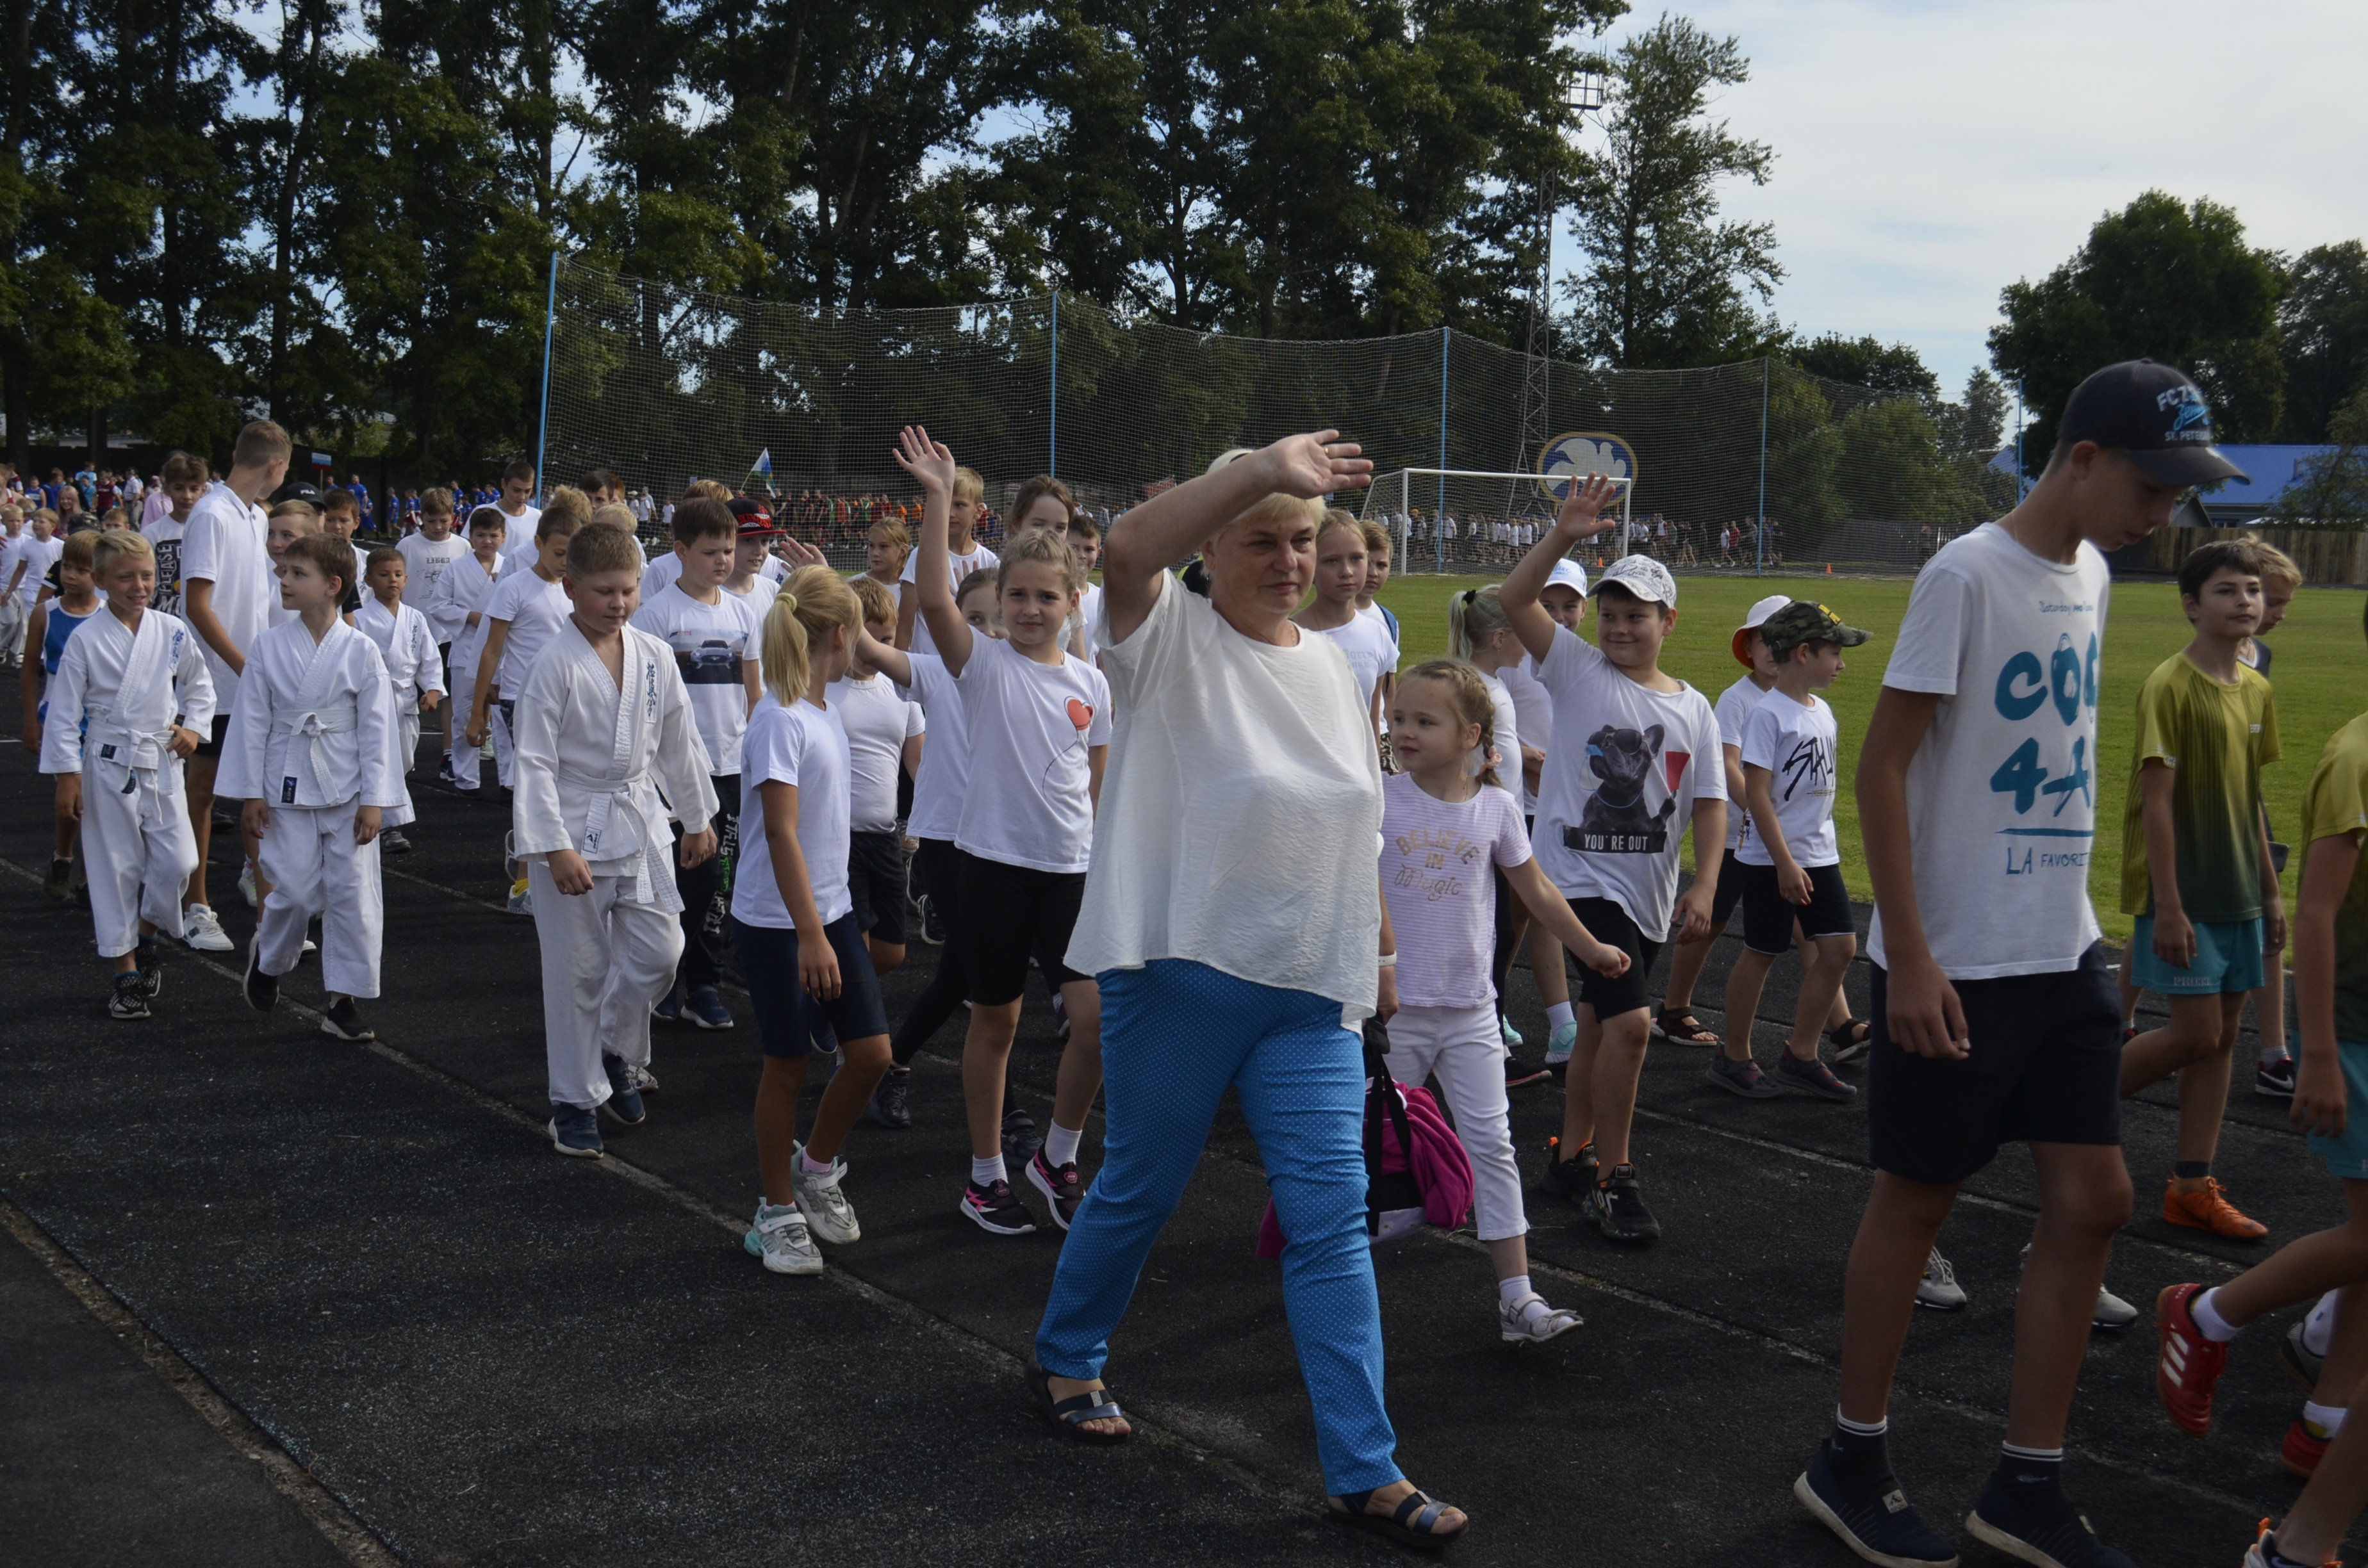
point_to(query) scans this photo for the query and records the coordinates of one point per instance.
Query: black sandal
(1852, 1039)
(1682, 1027)
(1070, 1414)
(1408, 1525)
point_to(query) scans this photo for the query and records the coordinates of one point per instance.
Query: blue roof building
(2270, 470)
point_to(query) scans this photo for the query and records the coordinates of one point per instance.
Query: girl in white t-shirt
(1443, 820)
(1038, 723)
(1339, 578)
(793, 922)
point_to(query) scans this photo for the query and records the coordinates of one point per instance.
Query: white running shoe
(779, 1236)
(818, 1198)
(1516, 1325)
(246, 885)
(202, 931)
(1939, 1288)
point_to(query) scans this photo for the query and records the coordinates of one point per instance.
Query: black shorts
(1010, 915)
(875, 875)
(1727, 894)
(1768, 918)
(788, 1016)
(220, 728)
(2045, 1067)
(1608, 923)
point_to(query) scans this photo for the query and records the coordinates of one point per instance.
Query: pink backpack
(1415, 1169)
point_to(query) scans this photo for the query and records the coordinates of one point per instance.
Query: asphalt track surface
(342, 1299)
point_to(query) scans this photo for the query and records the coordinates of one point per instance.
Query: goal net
(1475, 521)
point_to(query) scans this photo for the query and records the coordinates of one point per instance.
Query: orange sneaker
(2302, 1448)
(2207, 1208)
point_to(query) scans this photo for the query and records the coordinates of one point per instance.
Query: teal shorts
(2346, 1158)
(2227, 958)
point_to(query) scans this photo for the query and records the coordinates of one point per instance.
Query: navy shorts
(1768, 918)
(788, 1016)
(875, 875)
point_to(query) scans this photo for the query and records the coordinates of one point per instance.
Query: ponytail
(814, 599)
(1468, 695)
(1473, 615)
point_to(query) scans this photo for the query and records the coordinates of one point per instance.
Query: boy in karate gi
(413, 666)
(131, 697)
(456, 608)
(604, 723)
(311, 749)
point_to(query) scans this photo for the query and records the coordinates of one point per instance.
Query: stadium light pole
(542, 421)
(1759, 523)
(1052, 403)
(1580, 93)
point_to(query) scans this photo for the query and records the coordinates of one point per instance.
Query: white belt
(607, 796)
(134, 751)
(311, 728)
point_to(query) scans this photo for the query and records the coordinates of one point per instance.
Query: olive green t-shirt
(2215, 738)
(2337, 805)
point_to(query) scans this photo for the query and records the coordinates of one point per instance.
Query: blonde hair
(708, 490)
(116, 544)
(1472, 616)
(1040, 546)
(610, 514)
(568, 510)
(976, 583)
(596, 547)
(1337, 520)
(2277, 566)
(303, 511)
(879, 604)
(1468, 695)
(814, 599)
(79, 550)
(968, 481)
(895, 535)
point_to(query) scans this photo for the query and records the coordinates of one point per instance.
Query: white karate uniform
(112, 705)
(459, 593)
(313, 736)
(590, 763)
(408, 647)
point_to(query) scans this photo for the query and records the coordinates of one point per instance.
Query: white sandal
(1517, 1328)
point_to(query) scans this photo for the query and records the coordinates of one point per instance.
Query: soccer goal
(1470, 521)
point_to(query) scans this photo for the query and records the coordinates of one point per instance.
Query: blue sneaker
(706, 1009)
(1884, 1529)
(2060, 1540)
(668, 1009)
(624, 1100)
(574, 1132)
(1559, 1046)
(1512, 1035)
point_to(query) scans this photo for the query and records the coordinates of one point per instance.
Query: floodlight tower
(1581, 93)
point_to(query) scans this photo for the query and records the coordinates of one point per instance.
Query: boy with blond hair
(412, 668)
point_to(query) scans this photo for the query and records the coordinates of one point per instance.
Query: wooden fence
(2325, 555)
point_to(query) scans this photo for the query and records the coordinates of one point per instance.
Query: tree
(1869, 362)
(2330, 488)
(2159, 280)
(2323, 336)
(1666, 276)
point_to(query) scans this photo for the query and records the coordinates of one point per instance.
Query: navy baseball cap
(2154, 414)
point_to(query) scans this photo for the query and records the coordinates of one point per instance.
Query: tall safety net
(666, 385)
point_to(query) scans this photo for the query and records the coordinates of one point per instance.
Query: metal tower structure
(1581, 94)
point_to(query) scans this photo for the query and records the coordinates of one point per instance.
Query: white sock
(1559, 1014)
(2217, 1329)
(989, 1171)
(2273, 1053)
(1861, 1428)
(2327, 1418)
(1512, 1290)
(2320, 1327)
(1061, 1145)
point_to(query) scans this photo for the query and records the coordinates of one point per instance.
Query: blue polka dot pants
(1175, 1035)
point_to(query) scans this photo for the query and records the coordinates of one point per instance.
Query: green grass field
(2321, 678)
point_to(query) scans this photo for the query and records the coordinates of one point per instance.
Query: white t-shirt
(1533, 706)
(1435, 872)
(757, 601)
(534, 609)
(1372, 652)
(980, 559)
(37, 555)
(1241, 811)
(163, 536)
(223, 544)
(1508, 737)
(1030, 800)
(878, 719)
(1797, 746)
(1626, 765)
(519, 547)
(1736, 705)
(711, 642)
(663, 573)
(800, 745)
(944, 778)
(2002, 794)
(425, 560)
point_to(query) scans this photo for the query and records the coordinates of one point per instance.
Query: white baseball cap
(1753, 619)
(1568, 574)
(1645, 577)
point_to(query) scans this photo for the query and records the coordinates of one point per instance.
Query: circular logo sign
(1583, 452)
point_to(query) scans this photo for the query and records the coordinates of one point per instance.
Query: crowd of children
(732, 762)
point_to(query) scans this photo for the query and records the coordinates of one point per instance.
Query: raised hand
(1316, 464)
(929, 463)
(1580, 516)
(801, 555)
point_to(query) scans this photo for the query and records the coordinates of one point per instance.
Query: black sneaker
(59, 883)
(933, 924)
(152, 970)
(392, 842)
(1742, 1077)
(1883, 1528)
(887, 1108)
(2063, 1537)
(995, 1207)
(129, 997)
(1519, 1072)
(345, 1021)
(1060, 1183)
(1574, 1178)
(262, 990)
(1019, 1140)
(1619, 1208)
(1812, 1077)
(2275, 1077)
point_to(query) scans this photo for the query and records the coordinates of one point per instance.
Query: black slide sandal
(1070, 1414)
(1407, 1526)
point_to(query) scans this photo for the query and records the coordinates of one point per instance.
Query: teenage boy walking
(2196, 868)
(1995, 1017)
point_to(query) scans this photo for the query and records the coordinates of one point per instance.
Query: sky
(1928, 154)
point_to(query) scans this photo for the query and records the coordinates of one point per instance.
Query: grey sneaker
(2112, 1313)
(778, 1237)
(1939, 1288)
(1742, 1077)
(820, 1200)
